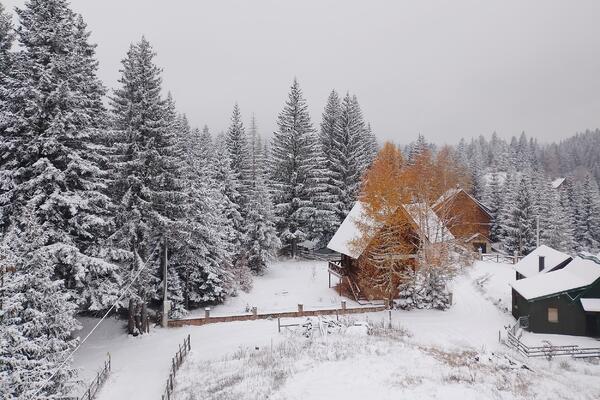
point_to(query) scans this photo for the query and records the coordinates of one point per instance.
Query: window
(552, 314)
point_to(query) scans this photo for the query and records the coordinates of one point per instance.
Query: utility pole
(537, 231)
(165, 313)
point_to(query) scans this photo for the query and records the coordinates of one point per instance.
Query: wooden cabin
(412, 223)
(564, 301)
(466, 217)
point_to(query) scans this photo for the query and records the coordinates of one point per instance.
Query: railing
(97, 383)
(500, 258)
(335, 267)
(548, 350)
(175, 364)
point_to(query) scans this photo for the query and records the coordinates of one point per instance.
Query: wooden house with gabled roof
(422, 224)
(466, 217)
(561, 301)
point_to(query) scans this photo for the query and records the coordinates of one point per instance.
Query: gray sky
(443, 68)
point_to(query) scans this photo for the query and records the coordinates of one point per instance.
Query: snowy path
(141, 365)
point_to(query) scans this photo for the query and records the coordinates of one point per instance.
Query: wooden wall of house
(571, 316)
(465, 217)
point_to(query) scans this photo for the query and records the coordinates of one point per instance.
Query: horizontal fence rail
(101, 377)
(175, 364)
(549, 351)
(287, 314)
(500, 258)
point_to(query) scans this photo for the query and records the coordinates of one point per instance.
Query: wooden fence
(96, 384)
(549, 350)
(207, 319)
(500, 258)
(175, 364)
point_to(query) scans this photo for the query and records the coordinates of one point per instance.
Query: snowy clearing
(284, 285)
(341, 366)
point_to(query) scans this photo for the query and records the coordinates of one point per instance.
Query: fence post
(301, 309)
(278, 325)
(254, 312)
(189, 342)
(344, 306)
(207, 312)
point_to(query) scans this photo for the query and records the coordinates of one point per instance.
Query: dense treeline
(521, 181)
(95, 195)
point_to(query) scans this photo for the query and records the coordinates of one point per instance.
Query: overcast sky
(446, 69)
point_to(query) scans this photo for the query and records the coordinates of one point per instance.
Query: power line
(97, 325)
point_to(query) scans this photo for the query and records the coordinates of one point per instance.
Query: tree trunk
(145, 327)
(138, 319)
(130, 321)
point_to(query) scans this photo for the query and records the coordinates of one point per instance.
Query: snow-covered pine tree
(37, 314)
(52, 126)
(587, 215)
(348, 150)
(7, 36)
(228, 194)
(256, 161)
(148, 164)
(327, 136)
(200, 260)
(556, 229)
(262, 242)
(297, 178)
(238, 149)
(518, 225)
(493, 200)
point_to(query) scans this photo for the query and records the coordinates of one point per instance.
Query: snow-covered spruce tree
(493, 200)
(297, 178)
(148, 164)
(327, 136)
(238, 149)
(228, 189)
(262, 242)
(7, 36)
(256, 158)
(198, 263)
(37, 313)
(52, 123)
(587, 215)
(557, 226)
(519, 232)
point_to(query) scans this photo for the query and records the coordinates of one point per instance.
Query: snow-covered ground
(481, 304)
(283, 286)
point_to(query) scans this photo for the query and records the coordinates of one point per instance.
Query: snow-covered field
(436, 359)
(283, 286)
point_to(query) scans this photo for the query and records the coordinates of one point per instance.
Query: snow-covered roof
(529, 265)
(344, 240)
(557, 182)
(591, 305)
(579, 273)
(429, 223)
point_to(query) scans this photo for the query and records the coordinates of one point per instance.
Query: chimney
(542, 263)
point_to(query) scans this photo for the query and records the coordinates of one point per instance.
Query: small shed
(564, 301)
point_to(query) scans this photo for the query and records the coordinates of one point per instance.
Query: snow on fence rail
(96, 384)
(175, 364)
(500, 258)
(550, 350)
(288, 314)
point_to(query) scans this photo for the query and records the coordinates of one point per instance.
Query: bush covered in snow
(425, 288)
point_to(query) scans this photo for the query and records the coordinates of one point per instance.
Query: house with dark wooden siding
(564, 301)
